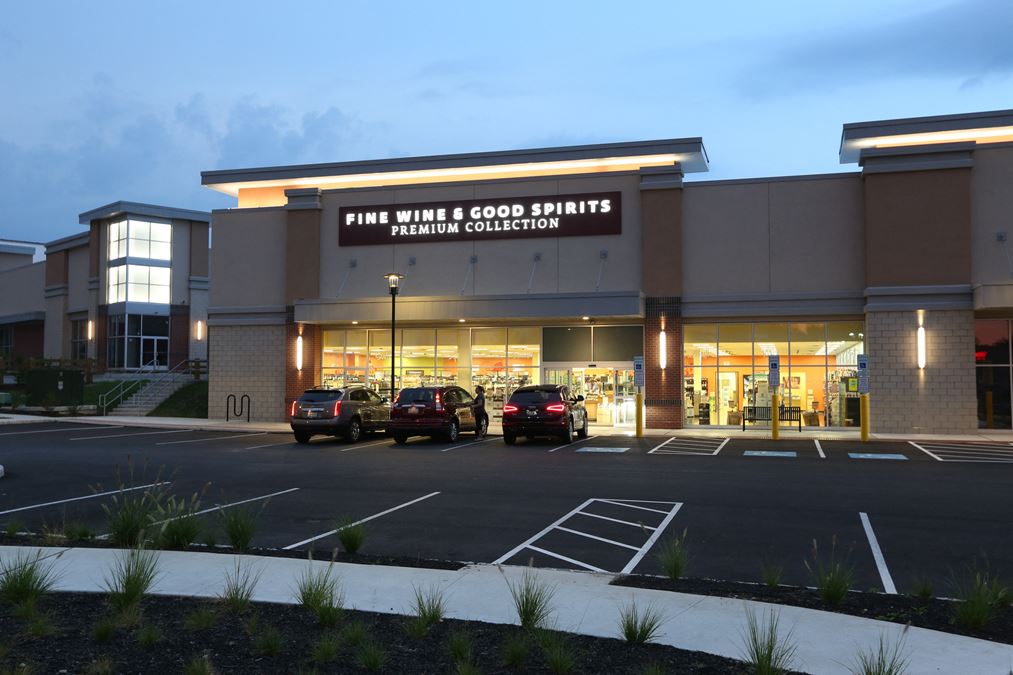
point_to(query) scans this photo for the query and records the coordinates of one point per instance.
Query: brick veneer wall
(904, 399)
(663, 395)
(247, 360)
(296, 381)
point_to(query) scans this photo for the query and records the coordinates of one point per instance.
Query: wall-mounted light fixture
(921, 347)
(91, 330)
(663, 350)
(199, 330)
(298, 353)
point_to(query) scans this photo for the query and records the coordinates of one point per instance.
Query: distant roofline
(72, 241)
(17, 249)
(691, 148)
(141, 209)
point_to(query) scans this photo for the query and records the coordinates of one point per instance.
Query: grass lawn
(190, 401)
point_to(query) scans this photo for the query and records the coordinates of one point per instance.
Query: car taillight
(555, 407)
(291, 412)
(337, 408)
(508, 408)
(439, 401)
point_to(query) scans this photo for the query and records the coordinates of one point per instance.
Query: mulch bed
(230, 643)
(936, 614)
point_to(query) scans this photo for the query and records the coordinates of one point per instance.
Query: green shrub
(318, 591)
(884, 659)
(200, 666)
(459, 646)
(532, 600)
(351, 535)
(268, 641)
(41, 626)
(559, 656)
(370, 656)
(326, 649)
(428, 608)
(766, 650)
(13, 527)
(240, 524)
(129, 514)
(175, 522)
(771, 574)
(653, 669)
(26, 577)
(76, 531)
(673, 557)
(102, 666)
(132, 577)
(924, 591)
(353, 634)
(516, 648)
(239, 587)
(148, 635)
(979, 599)
(638, 626)
(202, 618)
(832, 576)
(103, 631)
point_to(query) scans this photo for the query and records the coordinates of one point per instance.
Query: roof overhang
(143, 210)
(73, 241)
(977, 128)
(687, 155)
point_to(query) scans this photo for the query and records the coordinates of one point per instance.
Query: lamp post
(393, 282)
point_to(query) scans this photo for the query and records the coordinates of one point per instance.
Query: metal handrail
(117, 394)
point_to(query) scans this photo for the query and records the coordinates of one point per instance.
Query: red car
(544, 410)
(440, 412)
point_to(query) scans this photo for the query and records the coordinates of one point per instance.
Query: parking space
(894, 512)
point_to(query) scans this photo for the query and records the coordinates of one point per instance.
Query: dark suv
(544, 410)
(432, 411)
(348, 412)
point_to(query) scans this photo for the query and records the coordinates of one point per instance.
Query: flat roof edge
(72, 241)
(142, 209)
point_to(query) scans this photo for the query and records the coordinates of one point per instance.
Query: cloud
(967, 41)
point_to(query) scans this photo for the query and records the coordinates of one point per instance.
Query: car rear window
(318, 396)
(416, 395)
(534, 397)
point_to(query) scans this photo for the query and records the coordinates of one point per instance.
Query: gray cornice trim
(922, 158)
(660, 178)
(199, 283)
(55, 290)
(16, 249)
(303, 199)
(831, 303)
(73, 241)
(775, 179)
(692, 148)
(140, 209)
(405, 299)
(23, 317)
(906, 298)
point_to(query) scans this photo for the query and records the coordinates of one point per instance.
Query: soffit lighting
(987, 135)
(603, 164)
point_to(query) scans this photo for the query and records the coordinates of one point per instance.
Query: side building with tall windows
(131, 292)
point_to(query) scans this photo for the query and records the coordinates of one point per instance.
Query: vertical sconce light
(200, 330)
(91, 330)
(921, 347)
(298, 353)
(663, 350)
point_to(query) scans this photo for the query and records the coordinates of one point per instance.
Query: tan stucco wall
(248, 258)
(78, 269)
(23, 289)
(773, 236)
(567, 264)
(991, 213)
(939, 399)
(248, 360)
(180, 280)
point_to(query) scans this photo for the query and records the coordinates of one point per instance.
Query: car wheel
(583, 430)
(400, 439)
(568, 434)
(302, 437)
(354, 431)
(509, 438)
(452, 432)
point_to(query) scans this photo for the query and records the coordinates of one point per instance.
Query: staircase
(151, 395)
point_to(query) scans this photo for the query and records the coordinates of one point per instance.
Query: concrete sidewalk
(583, 603)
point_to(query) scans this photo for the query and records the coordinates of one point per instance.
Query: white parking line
(632, 506)
(678, 445)
(139, 433)
(650, 542)
(366, 445)
(269, 445)
(597, 538)
(520, 547)
(616, 520)
(219, 438)
(935, 457)
(819, 448)
(579, 440)
(877, 554)
(76, 499)
(358, 522)
(661, 445)
(723, 443)
(565, 559)
(455, 447)
(51, 431)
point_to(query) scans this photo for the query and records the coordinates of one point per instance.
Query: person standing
(481, 417)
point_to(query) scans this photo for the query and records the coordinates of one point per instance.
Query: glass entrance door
(154, 352)
(609, 394)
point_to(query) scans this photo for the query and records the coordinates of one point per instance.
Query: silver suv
(348, 412)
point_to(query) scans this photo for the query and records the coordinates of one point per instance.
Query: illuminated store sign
(475, 219)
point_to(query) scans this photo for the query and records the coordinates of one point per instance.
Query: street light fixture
(393, 283)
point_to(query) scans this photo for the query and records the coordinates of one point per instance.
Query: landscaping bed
(923, 612)
(81, 633)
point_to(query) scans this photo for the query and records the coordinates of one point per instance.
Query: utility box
(53, 387)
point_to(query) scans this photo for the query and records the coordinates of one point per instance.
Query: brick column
(297, 381)
(663, 397)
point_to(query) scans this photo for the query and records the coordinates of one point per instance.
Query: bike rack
(244, 406)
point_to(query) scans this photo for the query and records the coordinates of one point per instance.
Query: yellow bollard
(863, 411)
(640, 415)
(775, 417)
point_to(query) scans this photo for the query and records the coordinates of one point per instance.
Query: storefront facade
(562, 264)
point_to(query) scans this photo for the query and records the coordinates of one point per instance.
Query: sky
(132, 100)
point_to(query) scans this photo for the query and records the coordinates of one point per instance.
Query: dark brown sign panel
(577, 215)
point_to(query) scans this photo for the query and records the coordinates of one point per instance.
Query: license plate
(532, 413)
(312, 413)
(413, 410)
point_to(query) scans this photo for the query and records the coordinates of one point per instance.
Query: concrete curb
(582, 603)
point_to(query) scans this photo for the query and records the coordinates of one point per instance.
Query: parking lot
(900, 512)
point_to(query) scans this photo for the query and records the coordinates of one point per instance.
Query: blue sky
(131, 100)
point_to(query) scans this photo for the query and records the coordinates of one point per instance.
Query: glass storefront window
(993, 385)
(700, 348)
(418, 357)
(991, 341)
